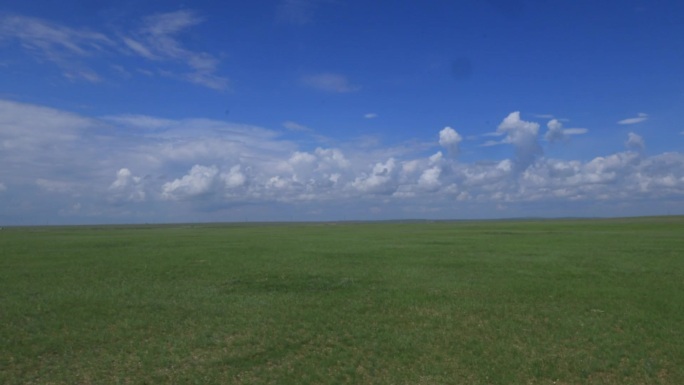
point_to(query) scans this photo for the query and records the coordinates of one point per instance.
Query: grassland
(509, 302)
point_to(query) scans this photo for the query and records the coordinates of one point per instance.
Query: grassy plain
(505, 302)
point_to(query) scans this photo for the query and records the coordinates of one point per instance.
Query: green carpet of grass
(501, 302)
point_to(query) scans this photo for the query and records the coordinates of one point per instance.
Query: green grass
(510, 302)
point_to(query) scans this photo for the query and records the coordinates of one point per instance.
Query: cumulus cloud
(61, 159)
(523, 136)
(329, 82)
(429, 179)
(450, 139)
(488, 176)
(380, 180)
(124, 178)
(638, 119)
(635, 142)
(234, 178)
(127, 187)
(556, 132)
(198, 181)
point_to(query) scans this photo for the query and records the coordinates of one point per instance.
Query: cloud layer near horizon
(136, 168)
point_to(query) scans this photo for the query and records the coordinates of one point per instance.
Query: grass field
(505, 302)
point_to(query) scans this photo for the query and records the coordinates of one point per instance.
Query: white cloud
(156, 40)
(638, 119)
(200, 180)
(331, 158)
(123, 179)
(491, 143)
(294, 126)
(450, 139)
(127, 187)
(370, 115)
(234, 178)
(139, 48)
(50, 156)
(140, 121)
(2, 187)
(523, 136)
(436, 158)
(44, 140)
(67, 47)
(556, 131)
(330, 82)
(381, 179)
(302, 158)
(298, 12)
(58, 186)
(487, 175)
(429, 179)
(575, 131)
(46, 124)
(51, 39)
(277, 183)
(635, 142)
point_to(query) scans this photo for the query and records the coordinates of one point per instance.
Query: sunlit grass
(382, 303)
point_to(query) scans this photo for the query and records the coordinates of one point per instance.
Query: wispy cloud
(140, 121)
(370, 115)
(294, 126)
(297, 12)
(64, 46)
(575, 131)
(638, 119)
(330, 82)
(491, 143)
(74, 50)
(157, 40)
(550, 116)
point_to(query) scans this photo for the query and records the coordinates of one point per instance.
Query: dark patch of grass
(576, 301)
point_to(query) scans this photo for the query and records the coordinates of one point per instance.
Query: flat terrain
(504, 302)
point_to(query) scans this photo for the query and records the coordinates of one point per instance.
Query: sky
(153, 111)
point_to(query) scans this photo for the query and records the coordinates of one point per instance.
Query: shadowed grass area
(533, 302)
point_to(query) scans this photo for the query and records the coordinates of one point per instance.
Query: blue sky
(164, 111)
